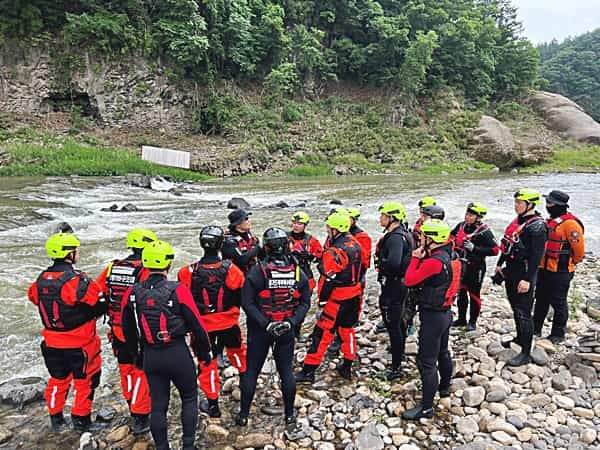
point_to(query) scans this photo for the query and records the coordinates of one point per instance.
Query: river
(30, 209)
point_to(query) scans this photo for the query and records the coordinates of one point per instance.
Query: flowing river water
(30, 209)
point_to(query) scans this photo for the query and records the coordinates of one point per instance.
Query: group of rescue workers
(421, 269)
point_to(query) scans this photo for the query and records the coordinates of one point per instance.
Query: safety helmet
(528, 195)
(211, 236)
(426, 201)
(275, 240)
(339, 210)
(354, 213)
(157, 255)
(140, 237)
(59, 245)
(477, 209)
(339, 221)
(301, 217)
(393, 209)
(434, 212)
(437, 230)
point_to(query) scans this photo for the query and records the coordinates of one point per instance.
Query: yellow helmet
(59, 245)
(140, 237)
(437, 230)
(427, 201)
(157, 255)
(393, 209)
(301, 217)
(477, 209)
(354, 213)
(528, 195)
(338, 221)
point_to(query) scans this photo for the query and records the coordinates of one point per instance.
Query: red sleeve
(33, 294)
(101, 281)
(184, 276)
(235, 278)
(70, 295)
(315, 248)
(421, 269)
(365, 246)
(184, 295)
(331, 264)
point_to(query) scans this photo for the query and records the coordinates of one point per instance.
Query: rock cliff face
(123, 94)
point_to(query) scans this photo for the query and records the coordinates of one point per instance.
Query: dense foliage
(297, 45)
(572, 68)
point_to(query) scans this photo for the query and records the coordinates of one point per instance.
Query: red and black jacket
(306, 249)
(341, 269)
(481, 236)
(275, 290)
(437, 278)
(242, 249)
(68, 304)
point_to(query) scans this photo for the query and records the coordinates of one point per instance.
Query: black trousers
(259, 342)
(521, 305)
(470, 293)
(163, 365)
(552, 289)
(433, 356)
(392, 302)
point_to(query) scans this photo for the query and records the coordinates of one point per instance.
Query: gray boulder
(139, 180)
(21, 391)
(566, 117)
(237, 202)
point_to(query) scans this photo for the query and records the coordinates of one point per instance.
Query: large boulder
(21, 391)
(566, 117)
(493, 143)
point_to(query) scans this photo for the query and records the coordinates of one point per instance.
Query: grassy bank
(584, 159)
(48, 155)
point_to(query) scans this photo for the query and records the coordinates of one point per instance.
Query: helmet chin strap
(530, 207)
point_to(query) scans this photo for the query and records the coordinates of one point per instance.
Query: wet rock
(139, 180)
(106, 414)
(281, 204)
(216, 431)
(586, 373)
(335, 201)
(539, 356)
(129, 207)
(87, 442)
(474, 396)
(5, 435)
(237, 202)
(22, 391)
(369, 439)
(112, 208)
(254, 440)
(63, 227)
(562, 380)
(118, 434)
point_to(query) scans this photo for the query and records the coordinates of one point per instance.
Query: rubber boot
(141, 424)
(81, 423)
(240, 420)
(307, 374)
(471, 326)
(344, 369)
(417, 413)
(460, 322)
(520, 360)
(291, 421)
(58, 422)
(394, 373)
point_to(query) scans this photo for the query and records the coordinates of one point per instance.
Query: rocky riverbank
(552, 403)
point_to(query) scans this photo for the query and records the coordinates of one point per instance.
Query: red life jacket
(302, 246)
(351, 274)
(55, 313)
(280, 297)
(157, 312)
(440, 291)
(556, 247)
(122, 275)
(462, 236)
(509, 243)
(208, 287)
(244, 245)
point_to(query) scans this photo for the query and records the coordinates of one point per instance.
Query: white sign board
(166, 156)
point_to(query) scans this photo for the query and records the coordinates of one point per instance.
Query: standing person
(68, 304)
(306, 249)
(157, 316)
(240, 245)
(275, 298)
(423, 203)
(474, 241)
(565, 249)
(216, 287)
(437, 276)
(114, 281)
(339, 290)
(522, 248)
(392, 256)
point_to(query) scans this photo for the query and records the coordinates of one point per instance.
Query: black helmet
(211, 237)
(434, 211)
(275, 240)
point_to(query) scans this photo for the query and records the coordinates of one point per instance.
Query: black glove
(279, 328)
(498, 278)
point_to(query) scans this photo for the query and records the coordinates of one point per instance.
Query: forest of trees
(295, 46)
(572, 68)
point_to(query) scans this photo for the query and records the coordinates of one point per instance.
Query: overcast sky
(548, 19)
